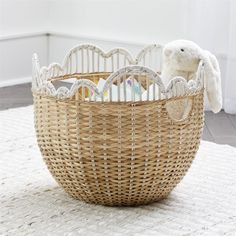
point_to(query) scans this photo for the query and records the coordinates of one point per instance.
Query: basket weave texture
(129, 141)
(116, 153)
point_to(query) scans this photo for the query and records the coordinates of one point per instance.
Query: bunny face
(182, 55)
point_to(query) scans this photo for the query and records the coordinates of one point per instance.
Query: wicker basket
(123, 152)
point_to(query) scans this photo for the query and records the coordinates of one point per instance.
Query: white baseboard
(22, 35)
(11, 82)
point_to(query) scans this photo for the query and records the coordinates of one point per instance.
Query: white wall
(208, 24)
(15, 58)
(23, 16)
(230, 88)
(126, 20)
(22, 32)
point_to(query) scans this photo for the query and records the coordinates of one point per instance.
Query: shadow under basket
(116, 153)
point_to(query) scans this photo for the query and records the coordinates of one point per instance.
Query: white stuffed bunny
(182, 57)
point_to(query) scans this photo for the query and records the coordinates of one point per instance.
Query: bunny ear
(212, 81)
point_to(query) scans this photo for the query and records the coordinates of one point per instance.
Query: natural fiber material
(116, 153)
(118, 143)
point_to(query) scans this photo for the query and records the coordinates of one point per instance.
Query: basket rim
(192, 95)
(131, 103)
(43, 77)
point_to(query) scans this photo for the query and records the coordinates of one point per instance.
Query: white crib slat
(118, 89)
(82, 60)
(105, 64)
(70, 61)
(132, 88)
(150, 58)
(88, 61)
(118, 61)
(76, 62)
(93, 61)
(124, 84)
(140, 86)
(147, 86)
(159, 92)
(98, 62)
(65, 69)
(112, 63)
(153, 91)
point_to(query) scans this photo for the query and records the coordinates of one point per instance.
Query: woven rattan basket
(115, 149)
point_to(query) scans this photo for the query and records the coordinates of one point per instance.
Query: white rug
(31, 202)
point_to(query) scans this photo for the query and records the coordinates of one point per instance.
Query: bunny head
(182, 57)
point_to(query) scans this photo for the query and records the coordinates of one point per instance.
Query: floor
(219, 128)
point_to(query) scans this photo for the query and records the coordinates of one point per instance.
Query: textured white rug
(31, 202)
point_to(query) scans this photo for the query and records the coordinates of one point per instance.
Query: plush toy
(181, 58)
